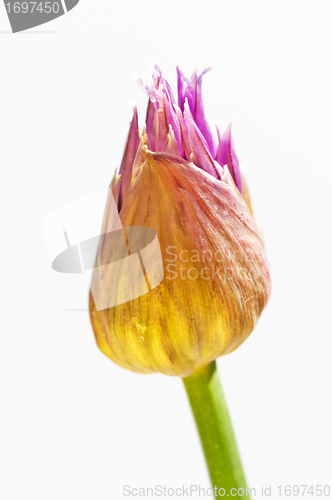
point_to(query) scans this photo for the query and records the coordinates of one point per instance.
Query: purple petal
(181, 81)
(184, 134)
(150, 119)
(172, 144)
(192, 90)
(151, 126)
(226, 155)
(164, 82)
(173, 121)
(128, 157)
(200, 119)
(190, 93)
(161, 113)
(200, 154)
(162, 125)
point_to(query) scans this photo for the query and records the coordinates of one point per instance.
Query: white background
(73, 425)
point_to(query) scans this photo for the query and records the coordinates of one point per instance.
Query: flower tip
(186, 106)
(178, 71)
(134, 115)
(133, 105)
(146, 151)
(204, 72)
(145, 88)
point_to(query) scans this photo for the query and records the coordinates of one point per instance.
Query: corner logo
(26, 14)
(130, 263)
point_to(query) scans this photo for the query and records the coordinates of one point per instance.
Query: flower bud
(176, 179)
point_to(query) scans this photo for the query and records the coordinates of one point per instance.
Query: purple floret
(193, 136)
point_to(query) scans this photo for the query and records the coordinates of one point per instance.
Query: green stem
(215, 430)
